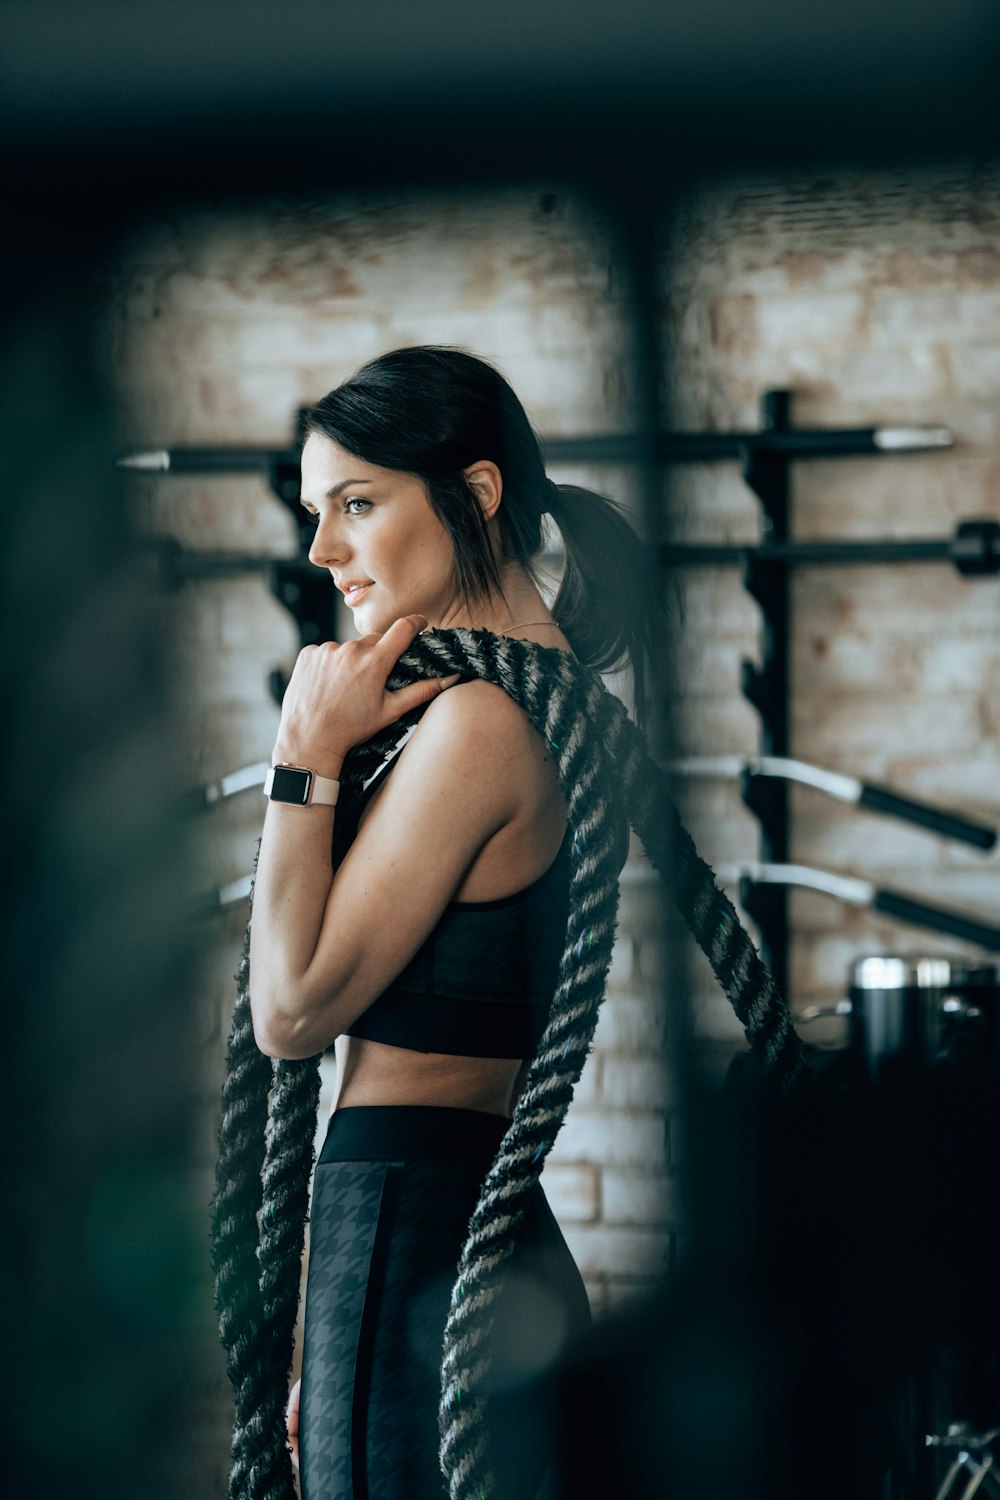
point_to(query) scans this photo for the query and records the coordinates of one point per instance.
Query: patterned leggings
(394, 1189)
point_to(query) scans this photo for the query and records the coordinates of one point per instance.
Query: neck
(519, 604)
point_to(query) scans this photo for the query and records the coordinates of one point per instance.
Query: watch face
(290, 785)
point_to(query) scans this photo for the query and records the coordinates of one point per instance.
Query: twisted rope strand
(603, 771)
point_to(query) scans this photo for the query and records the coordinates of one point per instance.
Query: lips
(354, 591)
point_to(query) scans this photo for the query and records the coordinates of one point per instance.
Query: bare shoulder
(473, 757)
(479, 715)
(475, 737)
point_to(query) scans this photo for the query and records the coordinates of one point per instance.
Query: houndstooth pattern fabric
(346, 1198)
(384, 1240)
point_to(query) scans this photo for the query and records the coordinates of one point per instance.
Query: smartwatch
(300, 786)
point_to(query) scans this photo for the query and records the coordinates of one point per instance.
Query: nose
(328, 547)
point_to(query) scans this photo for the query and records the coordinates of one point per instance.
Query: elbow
(270, 1035)
(285, 1042)
(279, 1031)
(291, 1028)
(276, 1043)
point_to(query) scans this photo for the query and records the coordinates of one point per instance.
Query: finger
(420, 692)
(292, 1423)
(402, 633)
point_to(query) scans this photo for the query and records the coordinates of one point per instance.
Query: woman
(427, 947)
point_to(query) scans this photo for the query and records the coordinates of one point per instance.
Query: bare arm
(322, 948)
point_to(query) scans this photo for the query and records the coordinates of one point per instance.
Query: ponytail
(609, 598)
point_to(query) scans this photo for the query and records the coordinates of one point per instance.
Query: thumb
(404, 699)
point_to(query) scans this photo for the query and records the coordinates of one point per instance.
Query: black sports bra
(481, 982)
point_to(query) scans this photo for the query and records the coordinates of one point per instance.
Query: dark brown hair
(431, 412)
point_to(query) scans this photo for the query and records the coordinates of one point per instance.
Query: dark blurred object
(103, 1267)
(254, 95)
(836, 1304)
(925, 1010)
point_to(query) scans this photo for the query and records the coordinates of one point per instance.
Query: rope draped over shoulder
(265, 1159)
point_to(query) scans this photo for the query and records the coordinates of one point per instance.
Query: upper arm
(456, 784)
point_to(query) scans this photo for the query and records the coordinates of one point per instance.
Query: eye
(356, 500)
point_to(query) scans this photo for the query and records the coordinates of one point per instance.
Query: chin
(367, 620)
(375, 619)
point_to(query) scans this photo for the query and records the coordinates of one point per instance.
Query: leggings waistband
(412, 1132)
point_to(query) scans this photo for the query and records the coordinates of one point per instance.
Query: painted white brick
(624, 1251)
(830, 320)
(630, 1023)
(971, 781)
(622, 960)
(708, 600)
(896, 313)
(588, 1086)
(611, 1135)
(858, 841)
(714, 1019)
(639, 1082)
(226, 512)
(635, 1196)
(597, 1294)
(936, 722)
(895, 384)
(572, 1191)
(717, 725)
(976, 370)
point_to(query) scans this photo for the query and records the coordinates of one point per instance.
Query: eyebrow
(345, 484)
(337, 489)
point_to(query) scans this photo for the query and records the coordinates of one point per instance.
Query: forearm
(291, 890)
(301, 989)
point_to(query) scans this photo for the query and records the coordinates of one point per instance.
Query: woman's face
(380, 538)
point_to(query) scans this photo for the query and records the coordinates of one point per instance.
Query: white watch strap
(325, 791)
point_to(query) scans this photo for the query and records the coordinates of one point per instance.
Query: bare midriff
(374, 1073)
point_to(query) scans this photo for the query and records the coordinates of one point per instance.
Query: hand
(292, 1422)
(337, 697)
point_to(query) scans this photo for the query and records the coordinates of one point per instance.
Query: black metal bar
(178, 566)
(635, 447)
(981, 554)
(807, 554)
(766, 471)
(715, 447)
(920, 914)
(974, 550)
(862, 893)
(879, 799)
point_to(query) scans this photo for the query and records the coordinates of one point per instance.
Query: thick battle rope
(603, 766)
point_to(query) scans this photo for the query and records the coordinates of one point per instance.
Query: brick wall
(874, 298)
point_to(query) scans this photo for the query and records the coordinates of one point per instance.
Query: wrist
(325, 763)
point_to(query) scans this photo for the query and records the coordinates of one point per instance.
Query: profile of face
(380, 537)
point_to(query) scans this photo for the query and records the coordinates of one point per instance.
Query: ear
(487, 482)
